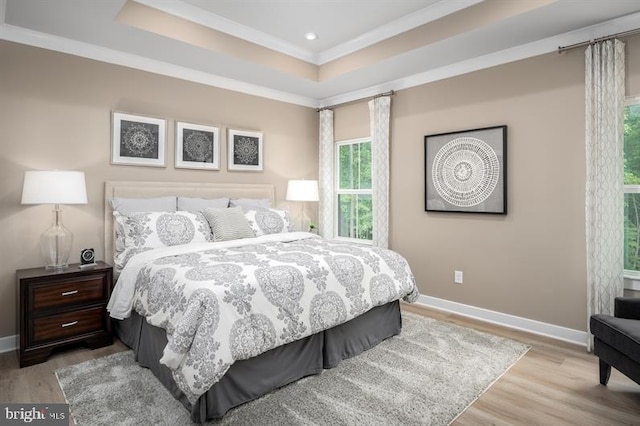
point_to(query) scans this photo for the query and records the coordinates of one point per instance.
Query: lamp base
(56, 243)
(56, 267)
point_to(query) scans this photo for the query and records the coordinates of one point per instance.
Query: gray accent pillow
(197, 204)
(132, 205)
(251, 203)
(228, 224)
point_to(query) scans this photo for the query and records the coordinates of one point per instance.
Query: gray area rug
(427, 375)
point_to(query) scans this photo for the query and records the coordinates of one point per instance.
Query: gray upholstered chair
(617, 339)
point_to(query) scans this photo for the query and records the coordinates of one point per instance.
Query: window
(632, 188)
(354, 209)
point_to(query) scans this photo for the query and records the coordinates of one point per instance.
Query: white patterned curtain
(605, 96)
(379, 115)
(325, 181)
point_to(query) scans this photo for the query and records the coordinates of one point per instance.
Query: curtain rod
(597, 40)
(389, 93)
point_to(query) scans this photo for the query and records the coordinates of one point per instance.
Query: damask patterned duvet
(226, 301)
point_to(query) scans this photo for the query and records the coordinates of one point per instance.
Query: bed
(294, 343)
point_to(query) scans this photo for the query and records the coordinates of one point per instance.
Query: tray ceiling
(363, 47)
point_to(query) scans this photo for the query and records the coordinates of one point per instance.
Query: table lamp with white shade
(55, 187)
(302, 190)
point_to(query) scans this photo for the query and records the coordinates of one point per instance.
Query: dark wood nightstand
(62, 307)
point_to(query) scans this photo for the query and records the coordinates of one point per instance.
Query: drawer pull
(69, 293)
(69, 324)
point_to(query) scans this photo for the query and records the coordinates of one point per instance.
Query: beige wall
(531, 262)
(55, 113)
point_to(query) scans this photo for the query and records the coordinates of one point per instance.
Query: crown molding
(541, 47)
(393, 28)
(513, 54)
(216, 22)
(365, 93)
(103, 54)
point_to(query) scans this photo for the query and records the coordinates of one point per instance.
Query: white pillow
(228, 224)
(269, 221)
(251, 203)
(132, 205)
(197, 204)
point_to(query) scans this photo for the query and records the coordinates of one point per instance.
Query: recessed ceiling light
(311, 36)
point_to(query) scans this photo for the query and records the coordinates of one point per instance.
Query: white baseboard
(9, 343)
(511, 321)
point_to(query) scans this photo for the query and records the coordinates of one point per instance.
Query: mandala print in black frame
(244, 150)
(465, 171)
(137, 140)
(197, 146)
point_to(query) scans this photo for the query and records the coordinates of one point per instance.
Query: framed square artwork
(466, 171)
(197, 146)
(137, 140)
(244, 150)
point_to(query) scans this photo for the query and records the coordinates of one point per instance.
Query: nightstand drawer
(68, 324)
(87, 290)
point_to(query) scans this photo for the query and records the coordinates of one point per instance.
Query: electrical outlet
(457, 277)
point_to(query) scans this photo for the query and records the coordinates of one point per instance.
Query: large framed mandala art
(138, 140)
(466, 171)
(197, 146)
(244, 150)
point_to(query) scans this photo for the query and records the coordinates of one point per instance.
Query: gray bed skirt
(249, 379)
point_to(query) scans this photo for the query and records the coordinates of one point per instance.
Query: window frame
(338, 191)
(631, 277)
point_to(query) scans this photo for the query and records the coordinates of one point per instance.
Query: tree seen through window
(632, 187)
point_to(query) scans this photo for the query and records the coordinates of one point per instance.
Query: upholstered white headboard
(181, 189)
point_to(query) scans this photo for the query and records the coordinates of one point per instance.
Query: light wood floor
(555, 383)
